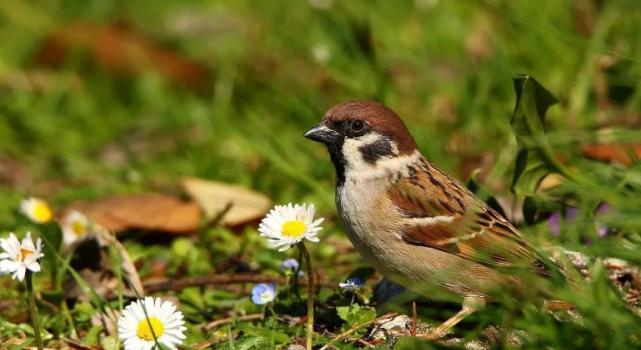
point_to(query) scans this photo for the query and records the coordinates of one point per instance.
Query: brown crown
(378, 117)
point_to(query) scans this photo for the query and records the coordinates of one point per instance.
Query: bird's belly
(371, 229)
(373, 232)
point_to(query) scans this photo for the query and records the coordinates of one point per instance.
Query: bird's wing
(442, 214)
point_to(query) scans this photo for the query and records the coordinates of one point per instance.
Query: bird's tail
(624, 276)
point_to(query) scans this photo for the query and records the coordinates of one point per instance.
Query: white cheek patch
(357, 167)
(352, 150)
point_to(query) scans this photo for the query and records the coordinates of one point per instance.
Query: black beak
(321, 133)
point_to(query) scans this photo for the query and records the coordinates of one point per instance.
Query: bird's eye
(357, 125)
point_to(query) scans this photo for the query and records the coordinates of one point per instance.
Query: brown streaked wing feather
(476, 232)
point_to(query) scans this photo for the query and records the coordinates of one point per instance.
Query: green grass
(446, 67)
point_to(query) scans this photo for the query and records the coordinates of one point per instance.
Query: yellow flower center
(24, 254)
(78, 228)
(293, 228)
(145, 332)
(41, 212)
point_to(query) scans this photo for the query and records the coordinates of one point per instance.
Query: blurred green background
(88, 109)
(103, 97)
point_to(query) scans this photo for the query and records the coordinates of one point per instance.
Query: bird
(415, 224)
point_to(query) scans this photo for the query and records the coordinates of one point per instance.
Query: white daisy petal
(18, 256)
(75, 226)
(27, 242)
(10, 245)
(34, 266)
(164, 323)
(20, 272)
(287, 225)
(7, 266)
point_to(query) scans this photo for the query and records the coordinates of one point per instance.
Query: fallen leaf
(151, 211)
(119, 48)
(242, 205)
(612, 152)
(551, 181)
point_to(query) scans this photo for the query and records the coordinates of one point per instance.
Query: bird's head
(361, 136)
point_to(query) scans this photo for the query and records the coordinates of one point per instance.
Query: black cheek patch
(376, 150)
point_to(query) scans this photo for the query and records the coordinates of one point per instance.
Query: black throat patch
(336, 154)
(376, 150)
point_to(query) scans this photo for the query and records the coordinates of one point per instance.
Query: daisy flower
(352, 284)
(286, 225)
(263, 293)
(162, 322)
(36, 210)
(75, 226)
(18, 256)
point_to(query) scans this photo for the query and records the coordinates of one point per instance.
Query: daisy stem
(311, 287)
(297, 274)
(33, 310)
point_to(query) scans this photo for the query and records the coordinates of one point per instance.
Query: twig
(414, 319)
(355, 328)
(226, 320)
(365, 343)
(72, 344)
(218, 279)
(216, 220)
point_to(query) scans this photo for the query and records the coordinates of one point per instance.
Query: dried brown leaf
(214, 197)
(153, 212)
(551, 181)
(119, 48)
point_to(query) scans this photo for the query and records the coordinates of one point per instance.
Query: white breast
(373, 237)
(373, 226)
(371, 220)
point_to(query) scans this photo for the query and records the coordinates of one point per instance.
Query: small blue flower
(289, 265)
(352, 284)
(263, 293)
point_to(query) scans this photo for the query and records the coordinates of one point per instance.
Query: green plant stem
(35, 321)
(67, 314)
(311, 288)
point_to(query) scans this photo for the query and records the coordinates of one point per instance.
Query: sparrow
(411, 221)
